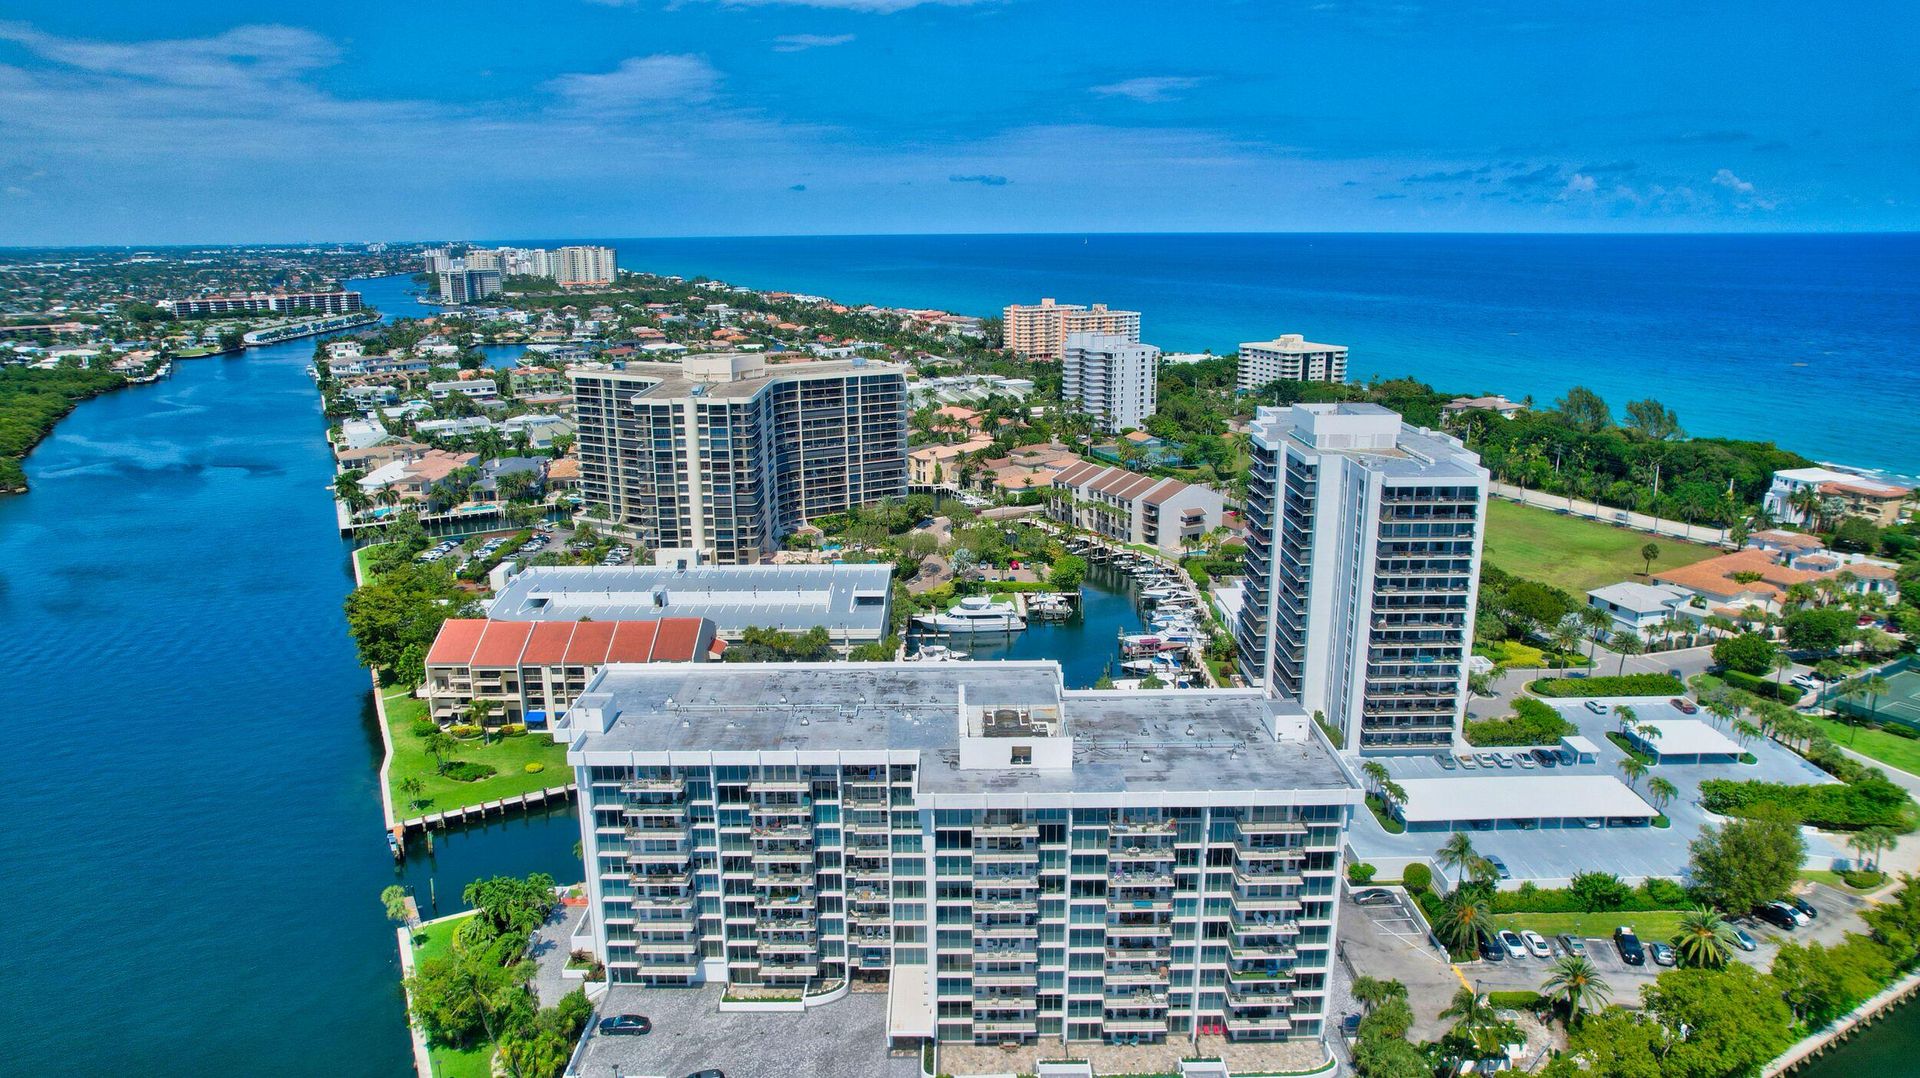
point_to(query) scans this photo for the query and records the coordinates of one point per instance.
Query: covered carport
(1682, 741)
(1526, 802)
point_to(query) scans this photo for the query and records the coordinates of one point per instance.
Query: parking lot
(846, 1037)
(1552, 856)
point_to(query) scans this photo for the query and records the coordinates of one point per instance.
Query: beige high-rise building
(1039, 331)
(583, 265)
(1290, 357)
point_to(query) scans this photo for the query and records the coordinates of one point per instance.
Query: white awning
(910, 1002)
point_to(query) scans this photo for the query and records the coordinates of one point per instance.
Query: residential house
(1856, 495)
(1638, 608)
(1132, 508)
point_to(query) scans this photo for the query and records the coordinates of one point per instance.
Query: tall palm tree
(1566, 637)
(1624, 644)
(1576, 981)
(1705, 938)
(1476, 1021)
(1631, 767)
(1746, 731)
(413, 788)
(1625, 716)
(1780, 664)
(1457, 854)
(1596, 622)
(1370, 992)
(1375, 771)
(1467, 922)
(1662, 792)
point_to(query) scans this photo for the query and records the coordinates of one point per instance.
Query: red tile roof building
(1133, 508)
(538, 667)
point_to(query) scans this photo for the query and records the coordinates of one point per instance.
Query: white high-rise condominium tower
(583, 265)
(1018, 862)
(1114, 379)
(1362, 568)
(1290, 358)
(724, 454)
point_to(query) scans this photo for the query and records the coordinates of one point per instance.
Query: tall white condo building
(1113, 377)
(1362, 569)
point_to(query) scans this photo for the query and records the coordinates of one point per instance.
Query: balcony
(1007, 827)
(1270, 827)
(1144, 827)
(653, 785)
(1137, 854)
(999, 930)
(1257, 1024)
(994, 854)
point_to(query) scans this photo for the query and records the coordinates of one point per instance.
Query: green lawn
(433, 941)
(1832, 879)
(1660, 925)
(1574, 553)
(1894, 751)
(507, 755)
(360, 561)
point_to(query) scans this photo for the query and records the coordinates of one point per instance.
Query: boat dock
(534, 799)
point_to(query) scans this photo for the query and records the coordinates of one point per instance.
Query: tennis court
(1900, 703)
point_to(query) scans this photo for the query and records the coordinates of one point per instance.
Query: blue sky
(138, 122)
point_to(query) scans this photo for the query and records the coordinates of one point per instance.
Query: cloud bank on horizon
(120, 122)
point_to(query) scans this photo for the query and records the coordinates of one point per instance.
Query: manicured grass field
(1659, 925)
(360, 561)
(1573, 553)
(1832, 879)
(1900, 752)
(508, 756)
(433, 941)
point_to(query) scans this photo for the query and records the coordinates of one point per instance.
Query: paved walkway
(1606, 514)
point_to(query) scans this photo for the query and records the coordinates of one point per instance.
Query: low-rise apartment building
(1019, 862)
(1846, 493)
(527, 671)
(335, 302)
(1290, 358)
(1128, 507)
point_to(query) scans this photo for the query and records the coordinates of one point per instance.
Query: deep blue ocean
(1809, 341)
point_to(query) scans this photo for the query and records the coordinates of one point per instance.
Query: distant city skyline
(227, 122)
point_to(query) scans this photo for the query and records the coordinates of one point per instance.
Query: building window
(1023, 754)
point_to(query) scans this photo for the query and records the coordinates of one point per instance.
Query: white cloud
(1578, 185)
(1745, 197)
(244, 56)
(639, 81)
(1725, 178)
(1149, 89)
(803, 42)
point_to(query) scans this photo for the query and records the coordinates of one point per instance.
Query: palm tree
(1746, 731)
(1566, 637)
(1649, 732)
(1625, 716)
(1457, 854)
(1375, 771)
(1391, 794)
(1576, 981)
(1805, 502)
(1780, 663)
(1478, 1024)
(440, 745)
(1625, 644)
(413, 788)
(1705, 938)
(1370, 992)
(1596, 622)
(1662, 792)
(1632, 768)
(1467, 922)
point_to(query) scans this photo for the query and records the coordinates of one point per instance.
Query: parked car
(1484, 759)
(1547, 757)
(1499, 867)
(1744, 941)
(1779, 915)
(1374, 896)
(1807, 682)
(1566, 757)
(625, 1025)
(1572, 944)
(1629, 947)
(1537, 945)
(1662, 954)
(1596, 707)
(1491, 951)
(1445, 760)
(1684, 705)
(1511, 943)
(1503, 761)
(1350, 1025)
(1525, 760)
(1593, 823)
(710, 1072)
(1467, 761)
(1805, 907)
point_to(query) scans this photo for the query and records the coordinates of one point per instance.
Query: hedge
(1869, 801)
(1418, 877)
(1516, 1001)
(1532, 723)
(1652, 896)
(1785, 693)
(1629, 685)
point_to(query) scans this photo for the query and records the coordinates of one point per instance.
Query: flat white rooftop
(1688, 737)
(1519, 797)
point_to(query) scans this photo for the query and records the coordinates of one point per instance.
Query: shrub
(1598, 892)
(423, 727)
(1664, 894)
(1515, 1001)
(534, 767)
(1629, 685)
(1786, 694)
(514, 729)
(1868, 801)
(468, 771)
(462, 729)
(1863, 879)
(1360, 872)
(1418, 877)
(1532, 723)
(1748, 653)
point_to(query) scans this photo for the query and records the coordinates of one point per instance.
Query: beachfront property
(1498, 405)
(1128, 507)
(1040, 330)
(1852, 495)
(1363, 564)
(1290, 358)
(853, 603)
(1755, 580)
(725, 454)
(462, 285)
(1640, 608)
(578, 266)
(1111, 378)
(453, 427)
(526, 671)
(1015, 862)
(967, 389)
(334, 302)
(473, 388)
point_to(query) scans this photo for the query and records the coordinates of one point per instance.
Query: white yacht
(975, 614)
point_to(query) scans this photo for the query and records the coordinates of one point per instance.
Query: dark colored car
(713, 1073)
(1375, 896)
(1805, 907)
(625, 1025)
(1629, 947)
(1491, 950)
(1499, 867)
(1546, 758)
(1777, 917)
(1684, 705)
(1350, 1025)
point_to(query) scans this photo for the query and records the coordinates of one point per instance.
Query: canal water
(1087, 646)
(192, 835)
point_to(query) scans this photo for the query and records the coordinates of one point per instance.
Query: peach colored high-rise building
(1039, 330)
